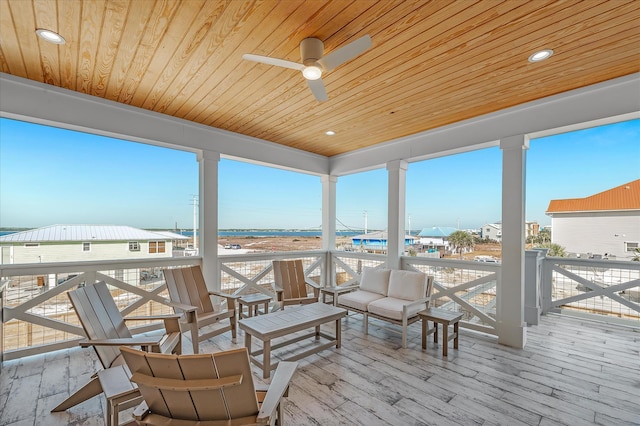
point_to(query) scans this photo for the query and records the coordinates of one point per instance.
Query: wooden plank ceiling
(432, 62)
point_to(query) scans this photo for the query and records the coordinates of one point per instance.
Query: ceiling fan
(314, 63)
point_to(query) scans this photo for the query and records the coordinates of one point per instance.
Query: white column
(329, 224)
(397, 171)
(511, 326)
(209, 217)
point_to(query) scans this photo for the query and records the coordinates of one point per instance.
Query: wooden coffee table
(286, 322)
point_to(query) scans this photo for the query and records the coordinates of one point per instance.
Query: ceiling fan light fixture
(541, 55)
(50, 36)
(312, 72)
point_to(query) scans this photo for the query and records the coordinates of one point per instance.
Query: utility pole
(195, 208)
(365, 221)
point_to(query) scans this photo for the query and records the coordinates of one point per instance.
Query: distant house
(604, 223)
(532, 229)
(436, 238)
(376, 241)
(72, 243)
(491, 231)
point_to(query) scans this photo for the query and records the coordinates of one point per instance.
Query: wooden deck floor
(572, 372)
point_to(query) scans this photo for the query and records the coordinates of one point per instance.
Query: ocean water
(268, 233)
(257, 233)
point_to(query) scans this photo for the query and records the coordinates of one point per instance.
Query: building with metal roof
(71, 243)
(604, 224)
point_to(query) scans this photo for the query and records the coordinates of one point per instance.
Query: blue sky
(52, 176)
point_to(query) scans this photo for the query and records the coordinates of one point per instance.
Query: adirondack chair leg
(86, 392)
(195, 337)
(234, 328)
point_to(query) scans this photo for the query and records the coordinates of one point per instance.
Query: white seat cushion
(407, 285)
(390, 307)
(375, 280)
(358, 299)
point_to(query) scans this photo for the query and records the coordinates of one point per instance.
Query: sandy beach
(274, 244)
(290, 243)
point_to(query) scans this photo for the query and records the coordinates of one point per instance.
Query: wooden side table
(334, 292)
(444, 317)
(253, 302)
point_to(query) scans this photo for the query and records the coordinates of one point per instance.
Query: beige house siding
(73, 251)
(596, 232)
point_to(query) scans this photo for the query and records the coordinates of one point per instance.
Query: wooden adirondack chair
(290, 284)
(200, 389)
(189, 294)
(106, 331)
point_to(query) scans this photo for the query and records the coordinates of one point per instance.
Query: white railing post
(531, 286)
(546, 283)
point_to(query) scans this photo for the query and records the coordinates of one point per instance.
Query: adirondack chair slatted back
(100, 319)
(187, 285)
(229, 403)
(289, 275)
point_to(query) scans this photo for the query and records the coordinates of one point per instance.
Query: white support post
(511, 327)
(328, 225)
(397, 172)
(209, 217)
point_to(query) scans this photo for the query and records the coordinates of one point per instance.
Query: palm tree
(460, 240)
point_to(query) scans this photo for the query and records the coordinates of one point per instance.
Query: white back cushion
(407, 285)
(375, 280)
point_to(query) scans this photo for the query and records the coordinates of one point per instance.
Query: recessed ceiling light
(50, 36)
(329, 133)
(541, 55)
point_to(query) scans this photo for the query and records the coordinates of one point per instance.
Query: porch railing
(253, 272)
(606, 290)
(37, 315)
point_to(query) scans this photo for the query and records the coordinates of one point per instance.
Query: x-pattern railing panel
(463, 286)
(47, 311)
(594, 287)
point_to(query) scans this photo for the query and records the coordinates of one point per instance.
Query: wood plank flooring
(572, 372)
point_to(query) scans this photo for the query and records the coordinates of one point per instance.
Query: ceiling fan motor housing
(311, 51)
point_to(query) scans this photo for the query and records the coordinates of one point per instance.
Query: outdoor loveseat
(391, 295)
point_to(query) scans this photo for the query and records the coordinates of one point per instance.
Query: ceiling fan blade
(318, 90)
(346, 53)
(273, 61)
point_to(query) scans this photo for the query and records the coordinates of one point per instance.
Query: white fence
(37, 315)
(607, 290)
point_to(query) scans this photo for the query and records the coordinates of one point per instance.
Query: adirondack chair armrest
(226, 295)
(313, 284)
(279, 291)
(182, 306)
(277, 389)
(171, 321)
(131, 341)
(141, 411)
(231, 298)
(154, 317)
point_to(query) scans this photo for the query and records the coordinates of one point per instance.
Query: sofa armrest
(418, 302)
